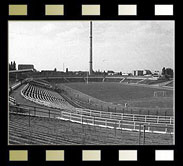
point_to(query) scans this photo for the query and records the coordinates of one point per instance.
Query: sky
(117, 45)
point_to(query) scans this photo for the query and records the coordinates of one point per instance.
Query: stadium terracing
(42, 98)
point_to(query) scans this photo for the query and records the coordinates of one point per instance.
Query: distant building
(49, 73)
(25, 66)
(147, 72)
(80, 73)
(125, 74)
(110, 72)
(156, 74)
(138, 72)
(141, 72)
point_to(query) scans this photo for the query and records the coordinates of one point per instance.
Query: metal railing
(76, 117)
(128, 117)
(12, 100)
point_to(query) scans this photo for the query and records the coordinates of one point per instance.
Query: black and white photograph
(91, 82)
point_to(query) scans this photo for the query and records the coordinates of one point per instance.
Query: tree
(169, 72)
(14, 65)
(105, 73)
(163, 71)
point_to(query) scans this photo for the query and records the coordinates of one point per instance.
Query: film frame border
(108, 10)
(103, 148)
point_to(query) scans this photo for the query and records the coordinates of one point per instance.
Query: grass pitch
(117, 93)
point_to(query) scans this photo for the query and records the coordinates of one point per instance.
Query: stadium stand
(42, 80)
(75, 79)
(113, 79)
(44, 97)
(132, 80)
(151, 82)
(41, 83)
(94, 79)
(170, 84)
(56, 80)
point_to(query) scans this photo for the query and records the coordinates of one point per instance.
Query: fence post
(171, 120)
(29, 128)
(34, 111)
(106, 122)
(94, 123)
(61, 114)
(82, 122)
(144, 135)
(166, 128)
(139, 132)
(115, 128)
(134, 125)
(29, 118)
(157, 119)
(16, 110)
(121, 125)
(148, 126)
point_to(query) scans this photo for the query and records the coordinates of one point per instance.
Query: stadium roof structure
(20, 71)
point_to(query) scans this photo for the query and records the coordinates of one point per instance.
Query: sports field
(46, 128)
(117, 93)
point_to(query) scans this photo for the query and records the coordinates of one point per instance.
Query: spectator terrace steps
(44, 97)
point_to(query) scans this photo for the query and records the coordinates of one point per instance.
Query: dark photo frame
(22, 149)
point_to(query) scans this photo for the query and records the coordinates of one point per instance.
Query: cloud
(123, 44)
(49, 27)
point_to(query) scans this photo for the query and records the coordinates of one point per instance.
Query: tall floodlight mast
(90, 62)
